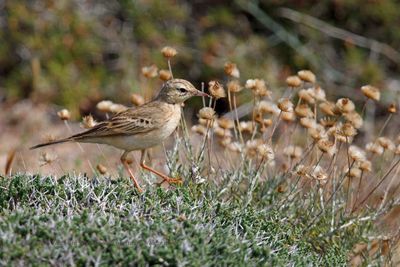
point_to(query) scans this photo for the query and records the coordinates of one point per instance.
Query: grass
(75, 220)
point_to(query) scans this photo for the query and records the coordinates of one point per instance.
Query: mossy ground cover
(75, 220)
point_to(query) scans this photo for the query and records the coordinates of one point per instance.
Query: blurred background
(73, 54)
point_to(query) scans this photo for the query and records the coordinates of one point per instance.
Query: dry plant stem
(170, 69)
(348, 178)
(274, 128)
(380, 182)
(385, 124)
(363, 108)
(237, 118)
(387, 189)
(358, 191)
(235, 126)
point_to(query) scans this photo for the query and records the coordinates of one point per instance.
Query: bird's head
(177, 91)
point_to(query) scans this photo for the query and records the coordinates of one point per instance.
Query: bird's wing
(132, 121)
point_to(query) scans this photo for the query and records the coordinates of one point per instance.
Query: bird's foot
(177, 181)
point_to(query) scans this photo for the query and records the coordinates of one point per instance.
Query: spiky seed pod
(137, 99)
(226, 123)
(374, 148)
(306, 96)
(117, 108)
(371, 92)
(88, 122)
(392, 108)
(288, 116)
(165, 75)
(365, 165)
(327, 146)
(356, 153)
(231, 70)
(207, 113)
(104, 105)
(294, 152)
(150, 71)
(303, 110)
(64, 114)
(234, 86)
(345, 105)
(307, 76)
(354, 118)
(329, 108)
(216, 89)
(266, 152)
(101, 169)
(168, 52)
(308, 123)
(199, 129)
(293, 81)
(285, 105)
(386, 143)
(266, 107)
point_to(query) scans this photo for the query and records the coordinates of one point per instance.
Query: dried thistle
(288, 116)
(329, 108)
(285, 105)
(104, 106)
(101, 169)
(168, 52)
(165, 75)
(357, 154)
(150, 71)
(246, 126)
(216, 89)
(88, 122)
(266, 152)
(234, 86)
(386, 143)
(374, 148)
(307, 76)
(307, 96)
(354, 118)
(294, 152)
(327, 146)
(266, 107)
(371, 92)
(345, 105)
(207, 113)
(231, 70)
(116, 108)
(199, 129)
(64, 114)
(137, 99)
(293, 81)
(226, 123)
(303, 110)
(308, 123)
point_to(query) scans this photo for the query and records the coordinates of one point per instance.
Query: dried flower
(117, 108)
(392, 108)
(284, 104)
(328, 108)
(307, 76)
(354, 118)
(319, 174)
(199, 129)
(207, 113)
(302, 170)
(308, 123)
(104, 105)
(348, 130)
(354, 172)
(327, 146)
(150, 71)
(356, 153)
(258, 87)
(226, 123)
(88, 122)
(216, 90)
(246, 126)
(288, 116)
(231, 70)
(101, 168)
(265, 151)
(294, 152)
(307, 96)
(165, 75)
(234, 86)
(318, 93)
(235, 147)
(64, 114)
(318, 132)
(137, 99)
(365, 165)
(168, 52)
(265, 123)
(220, 132)
(345, 105)
(266, 107)
(293, 81)
(327, 121)
(374, 148)
(386, 143)
(303, 110)
(371, 92)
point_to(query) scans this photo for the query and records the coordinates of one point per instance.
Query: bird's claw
(177, 181)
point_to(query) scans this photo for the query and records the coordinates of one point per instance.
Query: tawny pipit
(141, 127)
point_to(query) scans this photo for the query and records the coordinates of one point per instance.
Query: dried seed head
(319, 174)
(168, 52)
(165, 75)
(104, 105)
(294, 152)
(266, 107)
(365, 165)
(265, 123)
(234, 86)
(317, 133)
(258, 87)
(199, 129)
(46, 158)
(302, 170)
(207, 113)
(64, 114)
(235, 147)
(293, 81)
(356, 153)
(348, 130)
(246, 126)
(345, 105)
(374, 148)
(231, 70)
(117, 108)
(327, 121)
(284, 104)
(101, 168)
(216, 90)
(137, 99)
(371, 92)
(308, 123)
(226, 123)
(303, 110)
(354, 172)
(328, 108)
(150, 71)
(307, 76)
(354, 118)
(307, 96)
(327, 146)
(225, 141)
(288, 116)
(392, 108)
(88, 122)
(265, 151)
(219, 131)
(386, 143)
(318, 93)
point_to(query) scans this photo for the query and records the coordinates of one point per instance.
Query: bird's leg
(125, 163)
(163, 176)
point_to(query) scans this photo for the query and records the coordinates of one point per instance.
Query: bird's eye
(182, 90)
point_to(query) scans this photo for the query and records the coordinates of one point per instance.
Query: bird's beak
(200, 93)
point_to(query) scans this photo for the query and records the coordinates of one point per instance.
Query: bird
(142, 127)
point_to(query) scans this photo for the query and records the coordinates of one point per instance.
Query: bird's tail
(51, 143)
